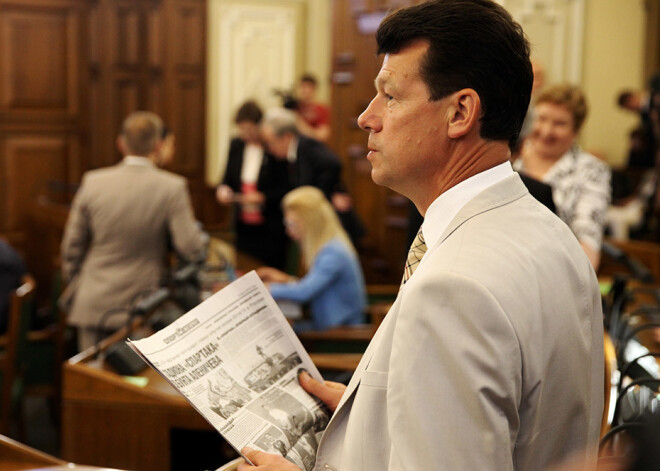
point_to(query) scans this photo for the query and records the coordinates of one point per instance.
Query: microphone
(637, 269)
(150, 302)
(186, 289)
(120, 356)
(100, 328)
(186, 273)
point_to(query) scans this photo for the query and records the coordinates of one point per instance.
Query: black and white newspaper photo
(236, 359)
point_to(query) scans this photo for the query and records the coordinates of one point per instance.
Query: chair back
(610, 385)
(14, 343)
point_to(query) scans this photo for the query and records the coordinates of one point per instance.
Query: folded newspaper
(236, 359)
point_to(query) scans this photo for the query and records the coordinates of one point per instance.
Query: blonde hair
(569, 96)
(318, 220)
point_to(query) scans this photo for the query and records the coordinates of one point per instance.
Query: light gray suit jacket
(115, 240)
(491, 357)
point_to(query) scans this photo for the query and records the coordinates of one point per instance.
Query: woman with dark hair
(256, 182)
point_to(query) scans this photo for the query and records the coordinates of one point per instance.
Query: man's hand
(224, 194)
(328, 392)
(255, 197)
(265, 462)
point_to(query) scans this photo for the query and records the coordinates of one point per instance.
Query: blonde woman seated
(580, 181)
(334, 284)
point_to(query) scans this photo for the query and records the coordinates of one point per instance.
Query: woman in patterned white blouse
(580, 181)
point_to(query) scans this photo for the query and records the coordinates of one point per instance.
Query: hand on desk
(273, 275)
(328, 392)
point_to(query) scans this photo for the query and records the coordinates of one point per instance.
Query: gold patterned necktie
(415, 254)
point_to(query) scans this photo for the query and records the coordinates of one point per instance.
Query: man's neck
(464, 162)
(139, 159)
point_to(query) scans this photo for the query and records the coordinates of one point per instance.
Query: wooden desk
(347, 339)
(336, 361)
(15, 456)
(107, 421)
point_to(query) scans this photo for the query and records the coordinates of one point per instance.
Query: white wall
(597, 44)
(255, 46)
(613, 60)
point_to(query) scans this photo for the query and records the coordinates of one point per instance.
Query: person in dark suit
(12, 270)
(310, 163)
(256, 182)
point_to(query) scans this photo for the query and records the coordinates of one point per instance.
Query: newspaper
(236, 359)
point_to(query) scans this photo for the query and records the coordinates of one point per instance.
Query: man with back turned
(491, 356)
(116, 238)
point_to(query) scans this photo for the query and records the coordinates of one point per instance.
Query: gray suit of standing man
(115, 241)
(491, 357)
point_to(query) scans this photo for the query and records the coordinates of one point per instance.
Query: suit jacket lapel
(503, 192)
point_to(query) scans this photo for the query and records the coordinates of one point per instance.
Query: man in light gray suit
(491, 357)
(115, 241)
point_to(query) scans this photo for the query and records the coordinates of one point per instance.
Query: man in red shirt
(314, 119)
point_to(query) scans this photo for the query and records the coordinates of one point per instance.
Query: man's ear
(121, 145)
(464, 113)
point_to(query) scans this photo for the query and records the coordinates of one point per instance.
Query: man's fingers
(265, 461)
(255, 456)
(311, 385)
(329, 392)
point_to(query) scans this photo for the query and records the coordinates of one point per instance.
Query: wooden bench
(345, 339)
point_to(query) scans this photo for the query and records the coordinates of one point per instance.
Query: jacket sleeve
(232, 176)
(77, 236)
(187, 236)
(454, 381)
(325, 269)
(328, 170)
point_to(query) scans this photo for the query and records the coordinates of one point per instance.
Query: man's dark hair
(472, 44)
(622, 99)
(249, 111)
(309, 78)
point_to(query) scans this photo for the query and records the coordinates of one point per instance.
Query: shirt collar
(446, 206)
(137, 160)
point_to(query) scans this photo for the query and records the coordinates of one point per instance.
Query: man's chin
(380, 179)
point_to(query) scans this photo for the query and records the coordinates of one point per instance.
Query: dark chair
(12, 348)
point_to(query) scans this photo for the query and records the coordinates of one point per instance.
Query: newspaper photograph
(236, 359)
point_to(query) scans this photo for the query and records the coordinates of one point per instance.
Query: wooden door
(354, 68)
(43, 118)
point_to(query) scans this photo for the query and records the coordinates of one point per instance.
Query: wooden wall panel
(354, 68)
(40, 83)
(188, 21)
(43, 119)
(189, 127)
(30, 163)
(128, 37)
(129, 97)
(40, 50)
(185, 104)
(150, 55)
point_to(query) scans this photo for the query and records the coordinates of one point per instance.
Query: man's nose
(369, 120)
